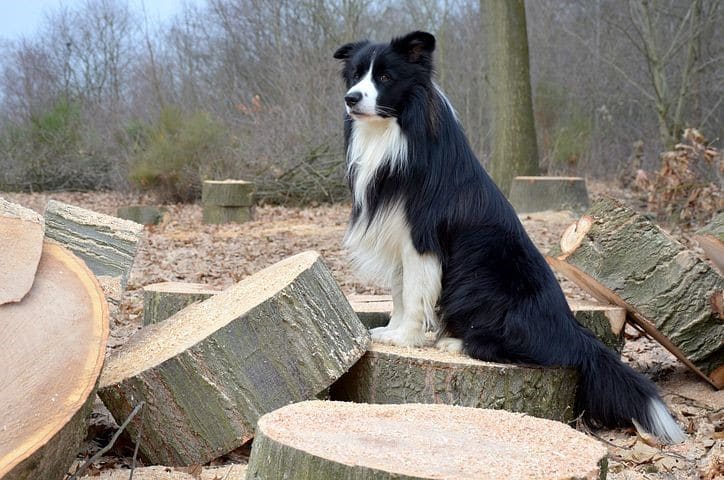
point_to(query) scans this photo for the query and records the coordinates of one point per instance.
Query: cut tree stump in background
(161, 300)
(107, 244)
(227, 201)
(208, 372)
(537, 194)
(621, 257)
(333, 440)
(142, 214)
(606, 321)
(711, 240)
(21, 244)
(53, 345)
(390, 374)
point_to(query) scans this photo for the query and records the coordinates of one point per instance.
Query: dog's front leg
(413, 304)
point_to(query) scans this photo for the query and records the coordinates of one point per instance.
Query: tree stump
(107, 244)
(142, 214)
(208, 372)
(21, 244)
(604, 320)
(334, 440)
(536, 194)
(391, 374)
(53, 348)
(161, 300)
(227, 201)
(622, 258)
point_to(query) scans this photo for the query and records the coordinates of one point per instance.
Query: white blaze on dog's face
(361, 99)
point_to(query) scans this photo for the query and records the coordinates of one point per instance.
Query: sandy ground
(183, 249)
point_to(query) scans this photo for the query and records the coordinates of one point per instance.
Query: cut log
(216, 214)
(142, 214)
(390, 374)
(21, 243)
(53, 347)
(536, 194)
(227, 193)
(711, 240)
(333, 440)
(107, 244)
(622, 258)
(228, 472)
(606, 321)
(161, 300)
(207, 373)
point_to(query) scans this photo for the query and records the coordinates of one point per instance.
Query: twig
(138, 443)
(103, 450)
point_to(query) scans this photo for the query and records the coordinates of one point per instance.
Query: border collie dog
(428, 222)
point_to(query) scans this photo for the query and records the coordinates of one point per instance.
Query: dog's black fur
(498, 293)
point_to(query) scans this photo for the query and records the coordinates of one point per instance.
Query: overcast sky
(24, 17)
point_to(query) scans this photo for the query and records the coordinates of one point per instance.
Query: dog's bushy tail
(612, 394)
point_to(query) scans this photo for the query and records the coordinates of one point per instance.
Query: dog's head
(381, 78)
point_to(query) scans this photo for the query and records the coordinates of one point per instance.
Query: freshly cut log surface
(53, 345)
(208, 372)
(21, 243)
(338, 440)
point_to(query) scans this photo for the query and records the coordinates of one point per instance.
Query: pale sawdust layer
(469, 443)
(183, 249)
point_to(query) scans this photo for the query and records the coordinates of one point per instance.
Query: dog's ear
(416, 46)
(346, 51)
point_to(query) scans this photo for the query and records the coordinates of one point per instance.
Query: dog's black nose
(351, 99)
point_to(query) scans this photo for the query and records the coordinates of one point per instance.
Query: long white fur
(383, 250)
(663, 424)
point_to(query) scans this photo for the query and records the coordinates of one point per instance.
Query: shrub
(177, 152)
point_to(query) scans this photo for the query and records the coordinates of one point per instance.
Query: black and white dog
(428, 222)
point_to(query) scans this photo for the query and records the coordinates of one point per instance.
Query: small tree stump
(536, 194)
(391, 374)
(622, 258)
(208, 372)
(161, 300)
(606, 321)
(21, 244)
(227, 201)
(107, 244)
(142, 214)
(334, 440)
(53, 345)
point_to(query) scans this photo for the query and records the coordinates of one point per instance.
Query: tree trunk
(340, 440)
(515, 148)
(53, 348)
(388, 374)
(207, 373)
(161, 300)
(620, 257)
(21, 244)
(537, 194)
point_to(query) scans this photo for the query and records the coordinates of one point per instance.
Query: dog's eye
(355, 76)
(384, 78)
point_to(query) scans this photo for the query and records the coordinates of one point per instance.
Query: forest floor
(183, 249)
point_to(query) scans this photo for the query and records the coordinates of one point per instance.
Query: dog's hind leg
(421, 277)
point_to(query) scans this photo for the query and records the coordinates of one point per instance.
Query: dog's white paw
(398, 336)
(449, 344)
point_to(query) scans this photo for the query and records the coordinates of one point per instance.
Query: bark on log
(107, 244)
(536, 194)
(21, 243)
(216, 214)
(53, 348)
(390, 374)
(207, 373)
(161, 300)
(227, 193)
(622, 258)
(142, 214)
(606, 321)
(338, 440)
